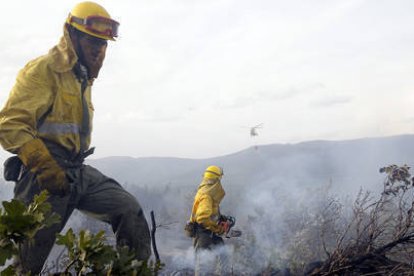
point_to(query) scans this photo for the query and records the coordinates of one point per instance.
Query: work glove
(49, 175)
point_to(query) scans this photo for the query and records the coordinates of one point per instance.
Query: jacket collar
(213, 188)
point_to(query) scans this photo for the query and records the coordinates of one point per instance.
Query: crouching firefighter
(207, 225)
(47, 122)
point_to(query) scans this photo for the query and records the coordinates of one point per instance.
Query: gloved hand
(50, 176)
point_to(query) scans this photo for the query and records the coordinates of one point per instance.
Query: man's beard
(94, 68)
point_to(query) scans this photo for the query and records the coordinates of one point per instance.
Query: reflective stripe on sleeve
(215, 218)
(59, 128)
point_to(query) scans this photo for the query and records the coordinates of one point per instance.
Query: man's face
(94, 50)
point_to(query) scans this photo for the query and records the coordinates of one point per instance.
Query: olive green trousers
(211, 255)
(94, 194)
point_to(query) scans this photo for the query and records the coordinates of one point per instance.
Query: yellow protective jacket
(46, 103)
(206, 205)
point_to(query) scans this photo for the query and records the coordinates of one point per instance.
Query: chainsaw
(230, 233)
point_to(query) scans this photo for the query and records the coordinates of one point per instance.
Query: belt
(207, 231)
(75, 162)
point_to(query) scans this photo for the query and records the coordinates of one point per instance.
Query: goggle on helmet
(96, 25)
(91, 18)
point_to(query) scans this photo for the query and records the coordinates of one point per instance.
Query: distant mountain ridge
(345, 163)
(263, 183)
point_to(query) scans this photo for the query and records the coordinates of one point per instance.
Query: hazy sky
(188, 77)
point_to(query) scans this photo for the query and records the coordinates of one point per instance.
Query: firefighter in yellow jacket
(47, 123)
(208, 222)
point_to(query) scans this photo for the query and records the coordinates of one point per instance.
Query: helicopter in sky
(253, 130)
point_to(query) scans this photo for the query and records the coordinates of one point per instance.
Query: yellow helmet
(213, 172)
(93, 19)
